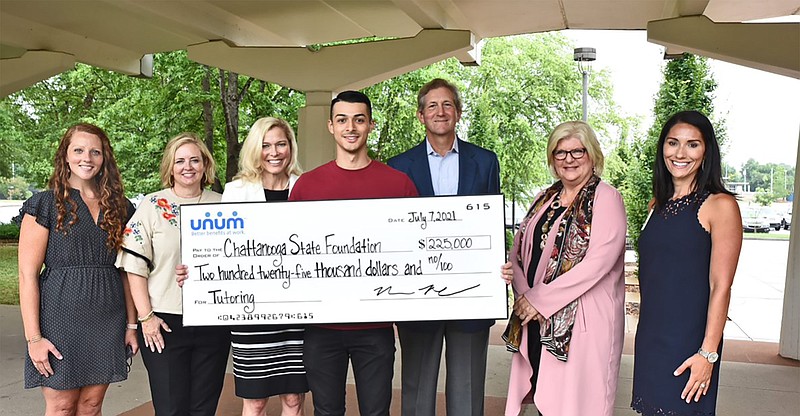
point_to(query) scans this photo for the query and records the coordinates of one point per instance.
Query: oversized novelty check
(367, 260)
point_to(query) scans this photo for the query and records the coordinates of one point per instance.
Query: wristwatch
(712, 357)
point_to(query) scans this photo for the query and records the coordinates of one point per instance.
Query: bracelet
(132, 326)
(35, 338)
(146, 317)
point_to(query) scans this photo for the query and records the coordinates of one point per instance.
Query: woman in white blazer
(267, 359)
(267, 162)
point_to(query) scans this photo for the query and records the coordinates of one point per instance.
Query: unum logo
(218, 223)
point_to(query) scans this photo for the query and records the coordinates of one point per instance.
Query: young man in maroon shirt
(369, 347)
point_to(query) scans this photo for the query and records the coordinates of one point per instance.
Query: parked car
(787, 219)
(754, 220)
(775, 219)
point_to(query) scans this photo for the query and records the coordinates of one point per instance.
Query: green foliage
(14, 188)
(9, 231)
(7, 140)
(766, 236)
(525, 86)
(509, 239)
(139, 115)
(9, 275)
(775, 179)
(688, 85)
(730, 173)
(394, 104)
(764, 197)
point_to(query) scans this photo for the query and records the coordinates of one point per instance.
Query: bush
(9, 232)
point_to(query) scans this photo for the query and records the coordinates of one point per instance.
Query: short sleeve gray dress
(82, 303)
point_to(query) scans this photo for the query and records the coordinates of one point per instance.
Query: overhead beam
(31, 68)
(733, 10)
(35, 36)
(771, 47)
(200, 21)
(335, 68)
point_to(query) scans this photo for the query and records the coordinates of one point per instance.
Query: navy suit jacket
(478, 174)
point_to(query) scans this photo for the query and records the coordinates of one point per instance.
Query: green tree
(687, 85)
(14, 188)
(775, 179)
(394, 103)
(524, 87)
(764, 197)
(139, 115)
(730, 173)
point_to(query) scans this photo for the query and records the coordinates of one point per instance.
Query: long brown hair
(112, 200)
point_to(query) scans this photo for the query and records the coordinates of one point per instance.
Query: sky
(761, 109)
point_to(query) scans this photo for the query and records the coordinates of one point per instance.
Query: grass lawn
(766, 236)
(9, 280)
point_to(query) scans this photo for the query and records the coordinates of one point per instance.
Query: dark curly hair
(109, 184)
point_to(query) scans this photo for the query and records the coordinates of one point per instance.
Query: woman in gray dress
(74, 311)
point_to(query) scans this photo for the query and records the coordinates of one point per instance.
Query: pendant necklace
(548, 223)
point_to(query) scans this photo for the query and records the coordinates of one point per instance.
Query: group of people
(110, 285)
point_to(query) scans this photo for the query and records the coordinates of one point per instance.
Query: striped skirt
(268, 360)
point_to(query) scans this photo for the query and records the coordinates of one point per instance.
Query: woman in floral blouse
(186, 365)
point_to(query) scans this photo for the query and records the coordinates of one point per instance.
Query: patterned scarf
(572, 241)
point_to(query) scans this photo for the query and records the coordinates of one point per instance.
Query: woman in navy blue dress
(689, 249)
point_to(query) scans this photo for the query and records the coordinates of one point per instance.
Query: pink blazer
(585, 384)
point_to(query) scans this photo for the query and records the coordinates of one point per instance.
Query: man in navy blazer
(445, 165)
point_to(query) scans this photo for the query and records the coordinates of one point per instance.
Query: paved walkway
(754, 381)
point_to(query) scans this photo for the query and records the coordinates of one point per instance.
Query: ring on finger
(702, 385)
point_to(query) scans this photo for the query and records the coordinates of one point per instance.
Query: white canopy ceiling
(40, 38)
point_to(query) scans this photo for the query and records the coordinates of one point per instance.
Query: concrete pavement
(754, 380)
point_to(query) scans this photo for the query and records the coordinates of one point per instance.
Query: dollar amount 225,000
(472, 242)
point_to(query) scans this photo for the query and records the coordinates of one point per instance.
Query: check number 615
(477, 207)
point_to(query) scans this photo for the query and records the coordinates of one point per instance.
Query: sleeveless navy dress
(674, 259)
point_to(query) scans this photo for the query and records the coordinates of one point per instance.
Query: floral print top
(151, 245)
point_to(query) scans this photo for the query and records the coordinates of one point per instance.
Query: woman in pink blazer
(567, 273)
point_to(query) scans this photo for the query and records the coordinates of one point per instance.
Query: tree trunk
(231, 96)
(208, 123)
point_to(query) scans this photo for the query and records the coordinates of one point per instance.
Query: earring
(703, 165)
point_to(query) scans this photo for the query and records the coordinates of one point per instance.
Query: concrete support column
(790, 326)
(314, 141)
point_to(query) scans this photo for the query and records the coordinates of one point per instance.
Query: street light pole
(584, 56)
(585, 95)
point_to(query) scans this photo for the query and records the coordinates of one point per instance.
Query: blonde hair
(582, 132)
(167, 180)
(250, 161)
